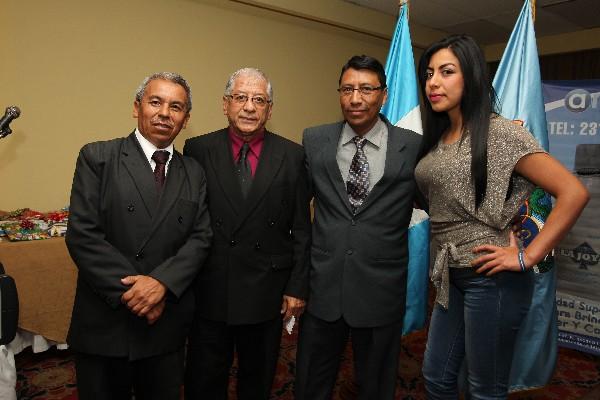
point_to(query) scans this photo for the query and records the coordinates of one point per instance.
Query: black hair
(365, 62)
(477, 104)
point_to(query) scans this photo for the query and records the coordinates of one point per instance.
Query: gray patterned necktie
(244, 170)
(357, 185)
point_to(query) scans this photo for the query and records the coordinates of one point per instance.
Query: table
(46, 278)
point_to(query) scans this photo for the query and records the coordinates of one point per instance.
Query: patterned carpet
(51, 375)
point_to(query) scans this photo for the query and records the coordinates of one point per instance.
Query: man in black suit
(256, 273)
(138, 231)
(361, 175)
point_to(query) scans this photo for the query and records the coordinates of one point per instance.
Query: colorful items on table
(26, 224)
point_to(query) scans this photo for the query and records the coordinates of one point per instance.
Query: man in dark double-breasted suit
(361, 175)
(138, 232)
(256, 274)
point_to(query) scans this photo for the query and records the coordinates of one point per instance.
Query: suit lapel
(331, 165)
(221, 160)
(394, 162)
(172, 189)
(141, 175)
(176, 176)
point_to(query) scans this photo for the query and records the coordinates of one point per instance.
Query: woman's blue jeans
(479, 327)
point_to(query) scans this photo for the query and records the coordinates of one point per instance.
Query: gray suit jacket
(359, 262)
(119, 226)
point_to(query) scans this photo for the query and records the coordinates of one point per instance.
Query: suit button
(218, 222)
(271, 223)
(180, 219)
(139, 256)
(257, 246)
(232, 243)
(131, 208)
(349, 252)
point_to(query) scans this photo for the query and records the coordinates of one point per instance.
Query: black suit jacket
(260, 243)
(359, 262)
(119, 226)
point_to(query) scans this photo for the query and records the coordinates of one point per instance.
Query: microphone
(11, 113)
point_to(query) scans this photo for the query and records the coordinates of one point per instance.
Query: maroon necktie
(160, 157)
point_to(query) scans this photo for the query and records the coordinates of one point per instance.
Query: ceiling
(492, 21)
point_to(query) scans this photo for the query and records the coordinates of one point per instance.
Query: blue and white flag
(402, 105)
(519, 88)
(402, 110)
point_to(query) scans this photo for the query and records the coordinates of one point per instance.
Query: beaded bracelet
(522, 260)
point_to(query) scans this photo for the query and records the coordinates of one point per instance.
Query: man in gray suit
(361, 175)
(138, 232)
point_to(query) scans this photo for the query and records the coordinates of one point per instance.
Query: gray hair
(167, 76)
(255, 72)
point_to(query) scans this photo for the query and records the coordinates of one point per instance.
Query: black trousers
(115, 378)
(320, 346)
(211, 346)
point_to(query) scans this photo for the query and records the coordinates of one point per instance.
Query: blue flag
(519, 88)
(402, 105)
(402, 109)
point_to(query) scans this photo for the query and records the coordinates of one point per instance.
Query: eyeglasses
(258, 101)
(363, 90)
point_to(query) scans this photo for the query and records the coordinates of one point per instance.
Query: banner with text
(573, 116)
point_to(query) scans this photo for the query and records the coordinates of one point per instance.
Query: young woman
(476, 169)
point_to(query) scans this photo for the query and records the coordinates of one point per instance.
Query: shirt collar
(373, 136)
(255, 143)
(149, 148)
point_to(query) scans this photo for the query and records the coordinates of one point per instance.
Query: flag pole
(402, 3)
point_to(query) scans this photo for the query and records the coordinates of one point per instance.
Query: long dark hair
(476, 106)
